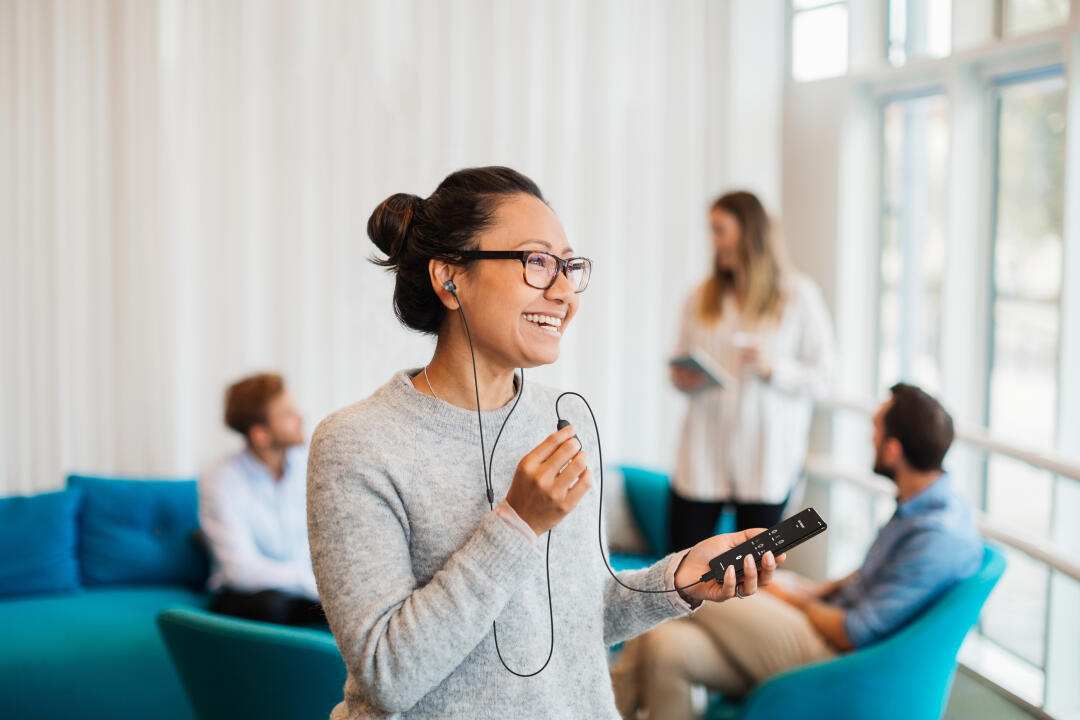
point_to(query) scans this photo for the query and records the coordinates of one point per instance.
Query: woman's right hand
(686, 379)
(550, 481)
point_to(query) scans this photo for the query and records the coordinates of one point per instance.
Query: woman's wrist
(680, 581)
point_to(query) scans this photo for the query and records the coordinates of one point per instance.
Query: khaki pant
(730, 647)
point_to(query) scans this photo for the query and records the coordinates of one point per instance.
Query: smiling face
(513, 324)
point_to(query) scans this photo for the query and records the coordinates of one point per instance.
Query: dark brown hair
(246, 400)
(921, 425)
(411, 231)
(759, 258)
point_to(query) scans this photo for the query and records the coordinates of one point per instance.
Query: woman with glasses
(745, 445)
(457, 561)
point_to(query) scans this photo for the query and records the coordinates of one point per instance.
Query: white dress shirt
(748, 443)
(257, 525)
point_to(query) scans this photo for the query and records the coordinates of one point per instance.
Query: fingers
(738, 538)
(727, 590)
(568, 452)
(542, 452)
(566, 477)
(750, 576)
(768, 566)
(575, 493)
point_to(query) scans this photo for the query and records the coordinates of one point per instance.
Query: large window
(953, 219)
(1020, 348)
(918, 29)
(1025, 16)
(1025, 326)
(914, 154)
(819, 39)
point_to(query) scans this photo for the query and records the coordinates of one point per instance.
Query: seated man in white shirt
(253, 513)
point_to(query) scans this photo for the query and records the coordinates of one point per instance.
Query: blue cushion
(139, 531)
(37, 543)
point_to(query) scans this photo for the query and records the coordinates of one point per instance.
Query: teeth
(544, 320)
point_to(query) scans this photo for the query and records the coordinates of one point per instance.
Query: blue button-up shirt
(257, 525)
(930, 543)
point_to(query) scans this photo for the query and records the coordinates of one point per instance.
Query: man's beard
(881, 469)
(286, 443)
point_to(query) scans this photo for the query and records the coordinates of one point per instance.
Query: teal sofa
(85, 644)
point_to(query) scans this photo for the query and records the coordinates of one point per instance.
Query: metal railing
(1037, 547)
(974, 436)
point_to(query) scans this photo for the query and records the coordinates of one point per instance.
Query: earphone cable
(488, 464)
(599, 526)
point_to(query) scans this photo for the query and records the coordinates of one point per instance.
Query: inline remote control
(780, 538)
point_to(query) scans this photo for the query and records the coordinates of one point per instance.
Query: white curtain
(184, 188)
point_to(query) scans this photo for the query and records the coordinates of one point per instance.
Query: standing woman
(745, 445)
(432, 577)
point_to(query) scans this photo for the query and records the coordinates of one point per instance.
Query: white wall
(184, 188)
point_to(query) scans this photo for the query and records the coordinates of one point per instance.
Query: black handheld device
(781, 537)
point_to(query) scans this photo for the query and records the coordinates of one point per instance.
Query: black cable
(479, 417)
(551, 619)
(599, 526)
(491, 459)
(488, 464)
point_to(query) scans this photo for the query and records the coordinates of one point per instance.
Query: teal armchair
(907, 675)
(232, 668)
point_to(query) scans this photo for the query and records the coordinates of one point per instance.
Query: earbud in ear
(450, 287)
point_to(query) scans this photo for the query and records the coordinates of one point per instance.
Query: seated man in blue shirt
(930, 543)
(252, 510)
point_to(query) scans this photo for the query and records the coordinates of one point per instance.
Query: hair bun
(388, 227)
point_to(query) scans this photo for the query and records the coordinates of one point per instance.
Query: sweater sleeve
(628, 613)
(400, 639)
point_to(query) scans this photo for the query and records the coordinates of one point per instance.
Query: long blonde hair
(758, 279)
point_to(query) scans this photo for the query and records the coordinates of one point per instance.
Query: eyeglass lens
(540, 269)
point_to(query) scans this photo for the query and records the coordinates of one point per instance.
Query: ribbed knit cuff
(676, 598)
(510, 515)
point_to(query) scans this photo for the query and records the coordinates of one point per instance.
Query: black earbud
(450, 287)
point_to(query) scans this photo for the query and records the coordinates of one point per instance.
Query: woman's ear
(440, 274)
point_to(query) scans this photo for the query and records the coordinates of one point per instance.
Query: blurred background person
(929, 544)
(252, 510)
(767, 325)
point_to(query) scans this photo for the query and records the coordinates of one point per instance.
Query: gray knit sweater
(412, 567)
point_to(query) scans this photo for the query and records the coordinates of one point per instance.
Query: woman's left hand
(757, 360)
(696, 563)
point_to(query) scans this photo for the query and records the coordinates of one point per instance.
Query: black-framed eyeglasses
(540, 269)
